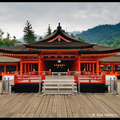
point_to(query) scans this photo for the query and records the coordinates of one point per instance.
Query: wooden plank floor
(34, 105)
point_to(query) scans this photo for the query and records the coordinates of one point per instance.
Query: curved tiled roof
(21, 49)
(44, 44)
(59, 40)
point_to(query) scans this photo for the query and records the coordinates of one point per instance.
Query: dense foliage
(49, 31)
(106, 35)
(7, 41)
(29, 35)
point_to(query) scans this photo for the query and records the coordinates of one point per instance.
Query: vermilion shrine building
(59, 52)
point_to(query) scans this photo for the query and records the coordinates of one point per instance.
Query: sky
(73, 16)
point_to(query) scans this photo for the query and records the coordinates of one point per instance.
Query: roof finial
(59, 27)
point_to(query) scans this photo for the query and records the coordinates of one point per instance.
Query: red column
(79, 65)
(4, 68)
(93, 68)
(21, 66)
(111, 68)
(39, 65)
(97, 66)
(87, 67)
(90, 67)
(25, 70)
(17, 68)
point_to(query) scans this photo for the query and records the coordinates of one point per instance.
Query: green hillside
(106, 35)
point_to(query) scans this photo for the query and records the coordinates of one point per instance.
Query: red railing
(28, 78)
(90, 78)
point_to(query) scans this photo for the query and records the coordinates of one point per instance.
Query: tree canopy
(8, 41)
(29, 35)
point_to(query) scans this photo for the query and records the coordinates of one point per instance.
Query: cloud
(73, 15)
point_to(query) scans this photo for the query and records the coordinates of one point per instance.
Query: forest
(105, 35)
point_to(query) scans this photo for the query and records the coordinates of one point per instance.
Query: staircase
(59, 84)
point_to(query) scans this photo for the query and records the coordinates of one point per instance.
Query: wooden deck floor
(34, 105)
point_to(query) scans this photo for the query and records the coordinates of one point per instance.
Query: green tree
(116, 43)
(72, 35)
(49, 31)
(81, 39)
(1, 34)
(29, 35)
(40, 38)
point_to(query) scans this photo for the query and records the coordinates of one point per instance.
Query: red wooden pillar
(111, 68)
(39, 65)
(87, 67)
(90, 67)
(25, 70)
(93, 68)
(17, 68)
(21, 66)
(79, 64)
(4, 68)
(97, 66)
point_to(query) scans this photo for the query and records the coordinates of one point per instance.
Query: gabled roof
(59, 40)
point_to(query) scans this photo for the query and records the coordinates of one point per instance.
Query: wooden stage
(34, 105)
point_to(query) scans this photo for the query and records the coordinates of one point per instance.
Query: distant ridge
(100, 32)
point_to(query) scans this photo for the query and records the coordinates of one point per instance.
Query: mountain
(74, 33)
(100, 33)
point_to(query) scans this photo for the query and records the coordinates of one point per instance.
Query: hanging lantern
(59, 61)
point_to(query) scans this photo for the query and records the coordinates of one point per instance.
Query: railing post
(68, 72)
(79, 85)
(49, 71)
(44, 89)
(73, 88)
(39, 84)
(110, 85)
(75, 77)
(8, 84)
(33, 71)
(115, 85)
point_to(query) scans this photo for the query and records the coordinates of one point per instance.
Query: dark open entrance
(59, 66)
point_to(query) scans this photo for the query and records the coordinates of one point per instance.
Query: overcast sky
(73, 16)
